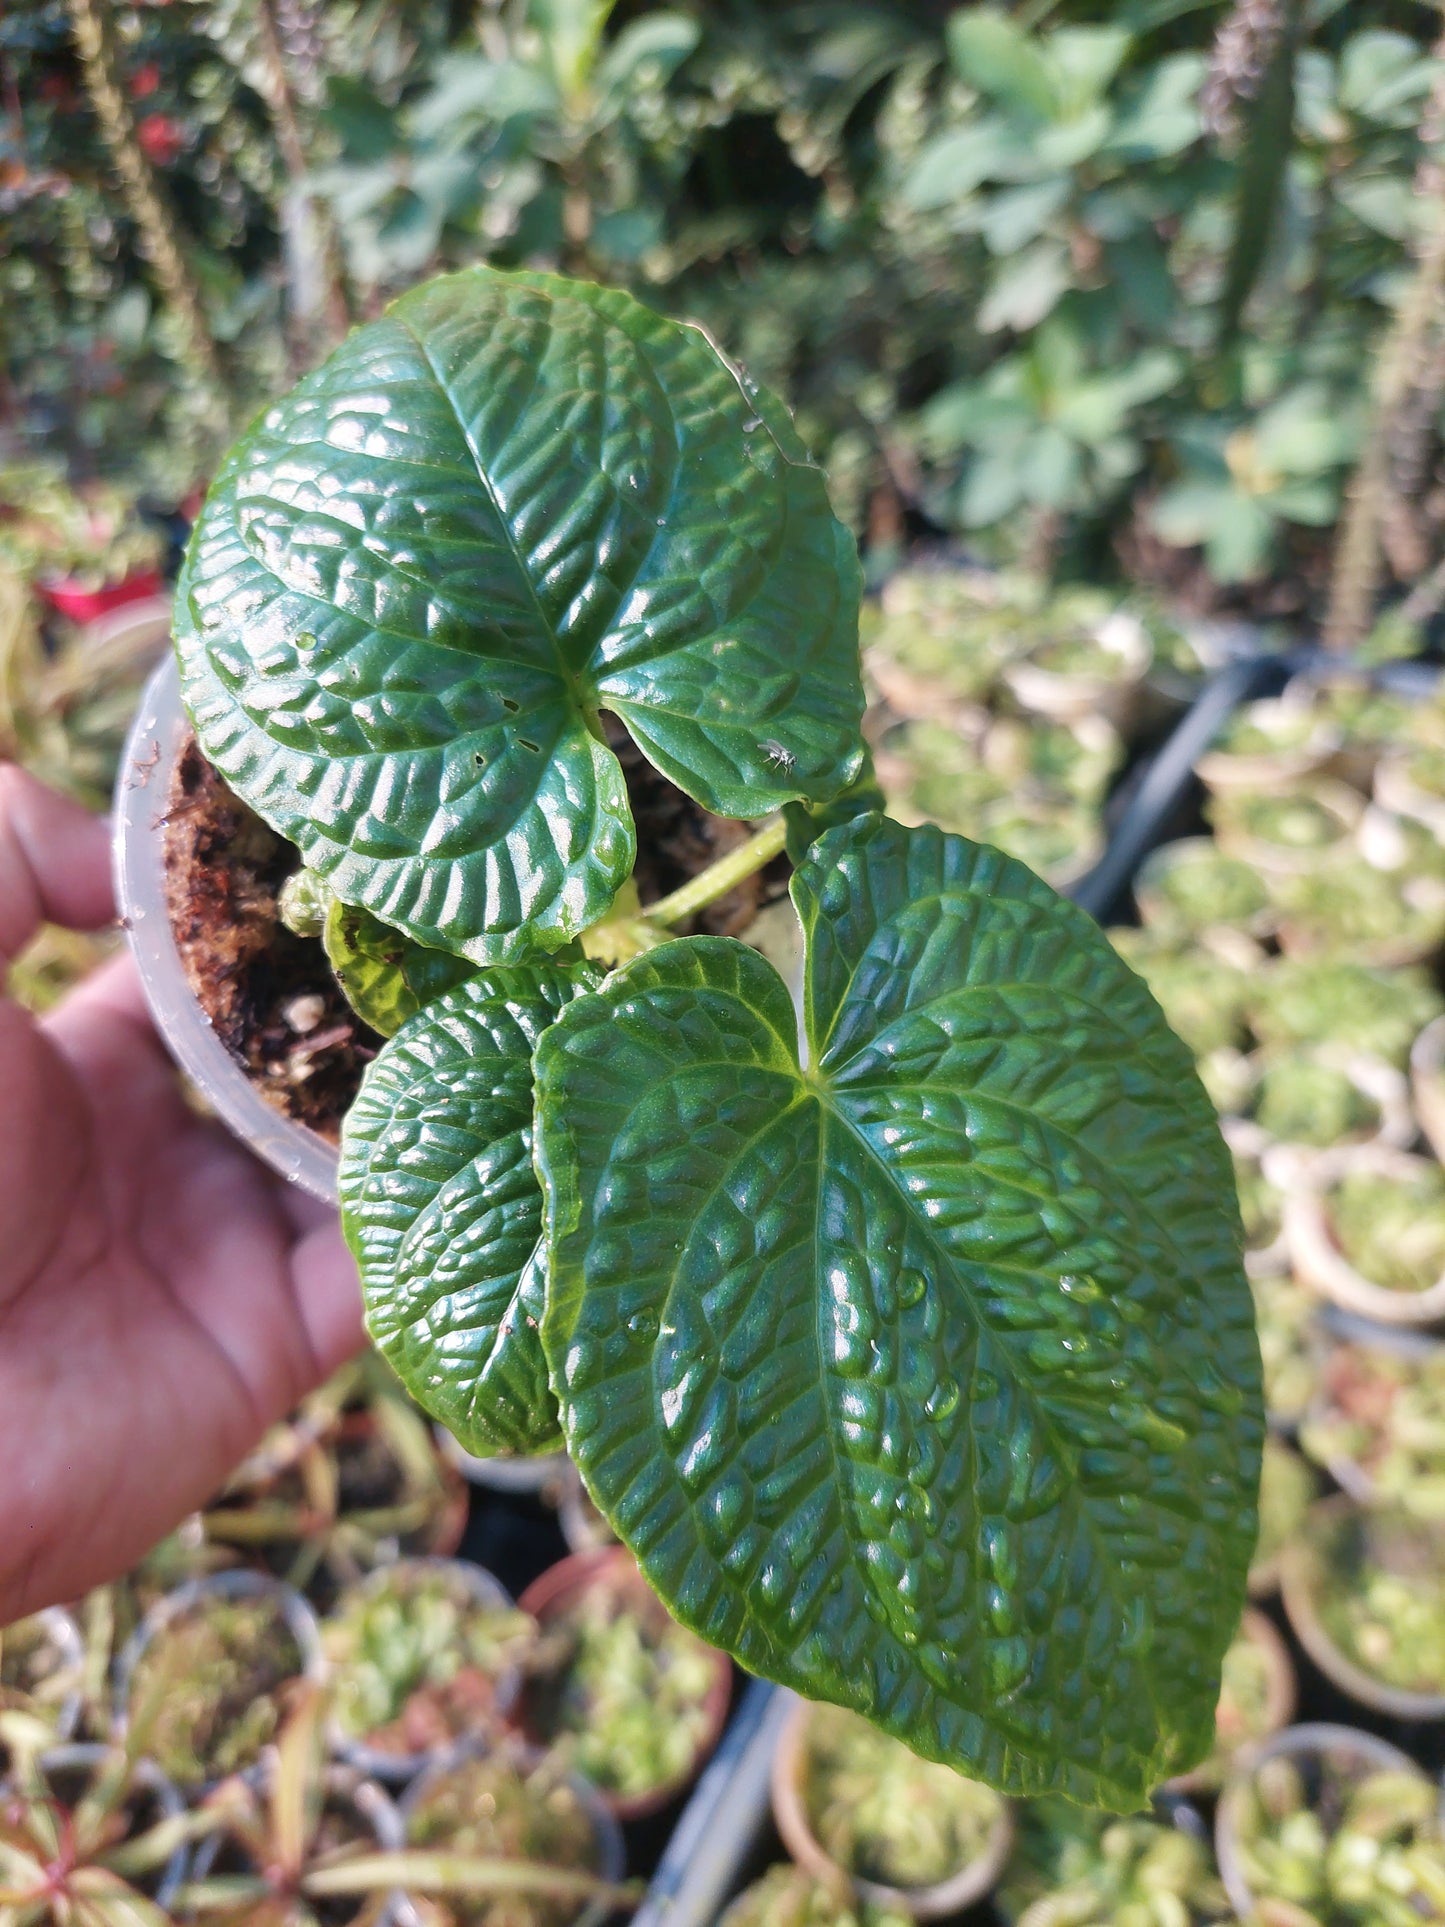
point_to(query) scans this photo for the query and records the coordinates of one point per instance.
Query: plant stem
(95, 42)
(439, 1873)
(720, 877)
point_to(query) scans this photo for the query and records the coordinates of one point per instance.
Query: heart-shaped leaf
(510, 502)
(924, 1378)
(441, 1206)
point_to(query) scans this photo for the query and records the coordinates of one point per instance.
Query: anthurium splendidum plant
(906, 1341)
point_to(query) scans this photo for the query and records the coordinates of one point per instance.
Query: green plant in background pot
(1090, 1870)
(871, 1417)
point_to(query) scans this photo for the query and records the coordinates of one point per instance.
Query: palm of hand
(162, 1297)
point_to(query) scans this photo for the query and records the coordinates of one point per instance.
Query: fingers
(54, 862)
(328, 1295)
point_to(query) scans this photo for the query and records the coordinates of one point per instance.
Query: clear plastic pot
(483, 1589)
(299, 1619)
(539, 1473)
(141, 792)
(65, 1680)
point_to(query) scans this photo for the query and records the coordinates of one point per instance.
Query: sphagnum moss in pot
(416, 1653)
(853, 1805)
(614, 1688)
(207, 1673)
(786, 1896)
(1377, 1420)
(796, 1308)
(1366, 1229)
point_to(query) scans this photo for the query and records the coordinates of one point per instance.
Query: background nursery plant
(915, 1363)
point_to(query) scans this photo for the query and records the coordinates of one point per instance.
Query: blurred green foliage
(1022, 277)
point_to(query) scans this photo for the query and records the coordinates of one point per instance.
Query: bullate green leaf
(512, 501)
(387, 977)
(922, 1376)
(441, 1206)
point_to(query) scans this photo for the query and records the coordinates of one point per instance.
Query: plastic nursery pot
(137, 1673)
(562, 1799)
(1315, 1254)
(354, 1810)
(790, 1812)
(1065, 696)
(1277, 1710)
(142, 789)
(1262, 768)
(1072, 1864)
(1396, 789)
(1340, 1537)
(541, 1474)
(1345, 1748)
(439, 1726)
(1427, 1083)
(60, 1766)
(80, 604)
(1337, 809)
(1362, 1372)
(560, 1593)
(42, 1667)
(1154, 887)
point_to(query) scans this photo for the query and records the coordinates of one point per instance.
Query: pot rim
(936, 1902)
(486, 1590)
(63, 1628)
(142, 780)
(1319, 1263)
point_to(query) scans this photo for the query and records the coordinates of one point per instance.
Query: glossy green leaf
(441, 1207)
(924, 1378)
(510, 502)
(387, 977)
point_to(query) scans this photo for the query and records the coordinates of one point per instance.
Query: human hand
(163, 1297)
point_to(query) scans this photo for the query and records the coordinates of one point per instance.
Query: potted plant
(416, 1651)
(308, 1841)
(786, 1896)
(1332, 1826)
(936, 644)
(1094, 671)
(1269, 746)
(614, 1687)
(1353, 909)
(1323, 1095)
(87, 551)
(603, 549)
(1256, 1698)
(1364, 1587)
(1286, 833)
(1190, 886)
(555, 1849)
(87, 1832)
(1338, 1001)
(1366, 1229)
(1410, 780)
(1287, 1489)
(1093, 1870)
(856, 1808)
(1377, 1421)
(42, 1670)
(350, 1481)
(206, 1673)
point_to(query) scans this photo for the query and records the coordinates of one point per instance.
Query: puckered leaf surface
(441, 1206)
(508, 503)
(924, 1378)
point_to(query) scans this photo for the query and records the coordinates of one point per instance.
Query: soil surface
(270, 995)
